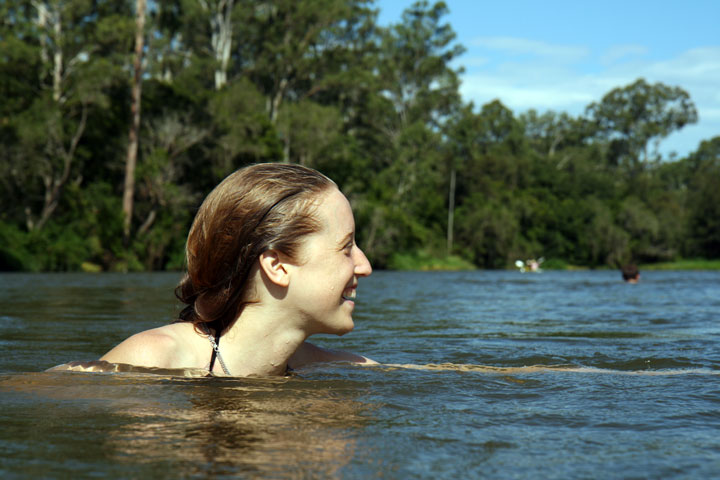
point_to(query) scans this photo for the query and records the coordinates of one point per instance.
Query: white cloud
(524, 46)
(698, 65)
(520, 95)
(711, 114)
(472, 61)
(565, 79)
(618, 52)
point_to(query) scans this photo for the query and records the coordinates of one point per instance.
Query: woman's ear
(272, 264)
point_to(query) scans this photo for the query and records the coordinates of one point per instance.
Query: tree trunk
(42, 22)
(221, 37)
(224, 44)
(131, 160)
(279, 93)
(451, 211)
(54, 182)
(54, 185)
(57, 58)
(277, 100)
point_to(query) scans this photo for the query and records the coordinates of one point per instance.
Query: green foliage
(434, 183)
(425, 260)
(242, 127)
(683, 264)
(555, 264)
(55, 248)
(704, 199)
(14, 252)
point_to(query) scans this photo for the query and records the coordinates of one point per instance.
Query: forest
(117, 117)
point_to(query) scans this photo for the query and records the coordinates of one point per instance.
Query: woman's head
(255, 209)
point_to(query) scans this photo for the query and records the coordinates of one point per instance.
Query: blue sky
(562, 55)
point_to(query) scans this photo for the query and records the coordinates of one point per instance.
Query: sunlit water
(627, 384)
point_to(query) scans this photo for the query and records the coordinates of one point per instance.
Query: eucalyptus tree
(167, 53)
(418, 93)
(241, 131)
(494, 213)
(221, 28)
(302, 55)
(135, 106)
(630, 117)
(72, 53)
(460, 148)
(289, 43)
(165, 200)
(625, 123)
(193, 42)
(551, 132)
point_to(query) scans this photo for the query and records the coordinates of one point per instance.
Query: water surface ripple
(483, 375)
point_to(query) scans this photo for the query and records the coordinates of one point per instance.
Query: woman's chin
(347, 327)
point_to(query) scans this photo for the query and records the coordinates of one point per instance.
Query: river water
(485, 375)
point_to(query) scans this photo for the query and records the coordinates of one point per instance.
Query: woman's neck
(260, 342)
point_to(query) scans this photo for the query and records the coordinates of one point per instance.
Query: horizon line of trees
(118, 117)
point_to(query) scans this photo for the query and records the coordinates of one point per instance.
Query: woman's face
(323, 285)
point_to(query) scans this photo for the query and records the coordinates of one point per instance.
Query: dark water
(633, 391)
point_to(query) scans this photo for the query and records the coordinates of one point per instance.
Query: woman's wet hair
(257, 208)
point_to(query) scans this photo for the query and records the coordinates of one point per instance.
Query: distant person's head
(630, 273)
(259, 208)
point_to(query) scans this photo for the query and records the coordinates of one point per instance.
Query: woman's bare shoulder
(165, 347)
(308, 353)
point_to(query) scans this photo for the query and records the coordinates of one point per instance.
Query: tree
(415, 67)
(136, 97)
(704, 199)
(500, 157)
(164, 201)
(418, 94)
(630, 117)
(551, 132)
(167, 54)
(221, 26)
(489, 229)
(461, 148)
(242, 132)
(72, 68)
(309, 129)
(318, 82)
(290, 42)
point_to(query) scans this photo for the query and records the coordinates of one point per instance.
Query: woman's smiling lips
(350, 293)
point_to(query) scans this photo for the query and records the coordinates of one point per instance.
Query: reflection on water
(263, 428)
(258, 429)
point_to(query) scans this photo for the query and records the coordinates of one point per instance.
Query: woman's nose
(362, 264)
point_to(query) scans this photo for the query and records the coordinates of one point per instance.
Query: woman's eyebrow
(347, 238)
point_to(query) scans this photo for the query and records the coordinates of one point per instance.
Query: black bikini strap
(214, 353)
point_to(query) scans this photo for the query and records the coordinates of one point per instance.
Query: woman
(271, 259)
